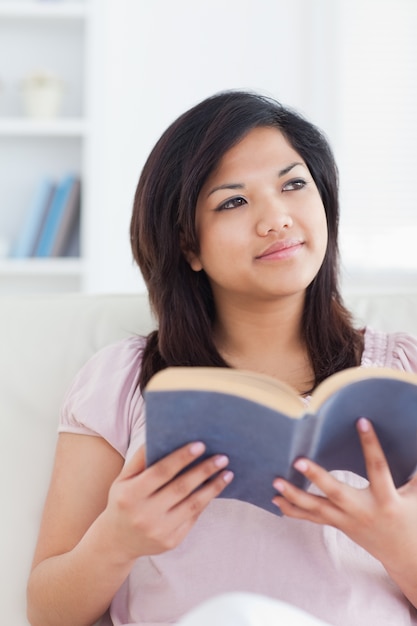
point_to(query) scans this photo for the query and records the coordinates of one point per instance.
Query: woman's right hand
(100, 515)
(151, 510)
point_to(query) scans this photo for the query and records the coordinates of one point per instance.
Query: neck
(266, 338)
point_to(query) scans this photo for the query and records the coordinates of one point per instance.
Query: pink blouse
(235, 546)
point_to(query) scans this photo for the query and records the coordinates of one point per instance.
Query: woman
(234, 228)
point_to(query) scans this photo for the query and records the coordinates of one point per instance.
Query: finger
(164, 471)
(300, 504)
(184, 515)
(181, 487)
(377, 468)
(339, 494)
(291, 510)
(192, 506)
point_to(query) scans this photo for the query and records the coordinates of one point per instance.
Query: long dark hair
(163, 224)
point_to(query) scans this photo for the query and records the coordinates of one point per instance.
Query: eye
(232, 203)
(294, 184)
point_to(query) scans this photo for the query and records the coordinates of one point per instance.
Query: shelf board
(43, 9)
(59, 127)
(41, 267)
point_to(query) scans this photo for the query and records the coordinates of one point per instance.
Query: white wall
(341, 62)
(378, 134)
(157, 59)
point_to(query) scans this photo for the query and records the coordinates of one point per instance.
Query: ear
(191, 257)
(193, 261)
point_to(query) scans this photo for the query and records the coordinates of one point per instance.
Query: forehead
(260, 147)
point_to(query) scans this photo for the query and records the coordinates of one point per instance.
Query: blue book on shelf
(36, 215)
(55, 215)
(70, 222)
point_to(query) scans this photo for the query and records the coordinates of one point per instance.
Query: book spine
(35, 217)
(54, 217)
(69, 220)
(303, 436)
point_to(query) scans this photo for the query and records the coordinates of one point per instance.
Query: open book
(262, 425)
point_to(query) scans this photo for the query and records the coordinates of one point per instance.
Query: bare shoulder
(84, 469)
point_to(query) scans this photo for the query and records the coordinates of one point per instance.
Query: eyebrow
(281, 173)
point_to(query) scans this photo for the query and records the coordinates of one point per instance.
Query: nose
(273, 216)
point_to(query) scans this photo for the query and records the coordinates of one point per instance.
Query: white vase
(42, 98)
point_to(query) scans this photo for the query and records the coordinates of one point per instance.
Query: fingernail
(301, 465)
(221, 460)
(228, 476)
(197, 448)
(363, 425)
(279, 485)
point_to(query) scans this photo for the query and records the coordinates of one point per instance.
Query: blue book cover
(69, 225)
(262, 425)
(54, 217)
(38, 209)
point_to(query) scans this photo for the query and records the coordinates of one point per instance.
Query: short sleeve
(104, 399)
(402, 352)
(394, 350)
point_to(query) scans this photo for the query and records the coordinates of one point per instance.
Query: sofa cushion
(43, 342)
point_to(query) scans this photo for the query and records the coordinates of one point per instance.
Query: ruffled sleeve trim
(394, 350)
(104, 399)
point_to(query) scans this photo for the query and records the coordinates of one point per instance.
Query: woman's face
(260, 221)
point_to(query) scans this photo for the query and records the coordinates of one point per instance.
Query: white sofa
(43, 342)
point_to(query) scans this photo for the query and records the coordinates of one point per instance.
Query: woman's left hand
(380, 518)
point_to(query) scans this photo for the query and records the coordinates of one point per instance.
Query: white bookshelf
(52, 36)
(41, 9)
(42, 267)
(20, 127)
(40, 275)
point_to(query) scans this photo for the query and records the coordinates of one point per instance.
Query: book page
(259, 388)
(339, 380)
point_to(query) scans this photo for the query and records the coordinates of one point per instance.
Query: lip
(281, 250)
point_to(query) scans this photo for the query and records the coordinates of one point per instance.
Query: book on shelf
(61, 220)
(262, 425)
(27, 240)
(69, 223)
(72, 244)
